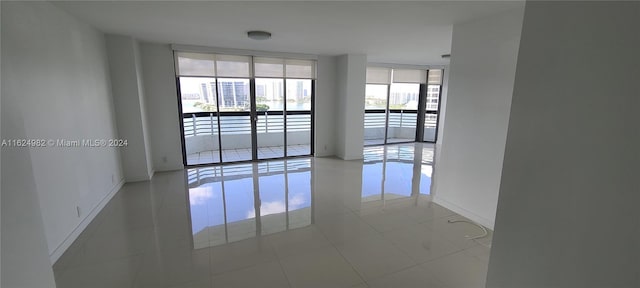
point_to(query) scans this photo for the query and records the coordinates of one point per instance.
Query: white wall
(481, 75)
(351, 73)
(568, 210)
(325, 106)
(162, 106)
(55, 77)
(128, 99)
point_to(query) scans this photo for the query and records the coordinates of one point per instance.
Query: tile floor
(303, 222)
(244, 154)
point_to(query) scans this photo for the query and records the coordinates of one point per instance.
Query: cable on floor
(474, 238)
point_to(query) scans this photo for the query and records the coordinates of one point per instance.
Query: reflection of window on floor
(236, 202)
(389, 171)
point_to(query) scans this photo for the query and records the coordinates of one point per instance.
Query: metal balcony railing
(376, 118)
(206, 123)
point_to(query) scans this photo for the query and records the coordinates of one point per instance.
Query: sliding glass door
(401, 105)
(375, 116)
(200, 118)
(240, 108)
(235, 119)
(403, 111)
(270, 116)
(298, 110)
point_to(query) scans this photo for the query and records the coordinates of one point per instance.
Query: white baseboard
(57, 253)
(323, 154)
(464, 212)
(352, 157)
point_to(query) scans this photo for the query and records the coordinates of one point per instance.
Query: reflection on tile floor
(244, 154)
(304, 222)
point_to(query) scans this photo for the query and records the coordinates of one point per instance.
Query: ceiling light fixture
(259, 35)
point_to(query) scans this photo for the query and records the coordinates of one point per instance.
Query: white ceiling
(388, 32)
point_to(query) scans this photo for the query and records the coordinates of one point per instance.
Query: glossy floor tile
(302, 222)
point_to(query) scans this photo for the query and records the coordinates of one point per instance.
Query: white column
(351, 73)
(128, 99)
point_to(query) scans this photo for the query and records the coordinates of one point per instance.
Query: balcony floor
(244, 154)
(368, 142)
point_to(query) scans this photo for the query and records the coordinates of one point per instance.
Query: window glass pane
(298, 94)
(404, 96)
(269, 94)
(409, 76)
(234, 94)
(431, 116)
(375, 116)
(433, 96)
(430, 123)
(378, 75)
(435, 76)
(233, 66)
(300, 68)
(198, 94)
(268, 67)
(375, 96)
(195, 64)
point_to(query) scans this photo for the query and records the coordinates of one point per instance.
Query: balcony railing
(401, 127)
(206, 123)
(376, 118)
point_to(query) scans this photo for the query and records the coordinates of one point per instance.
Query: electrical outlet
(113, 179)
(164, 159)
(78, 211)
(325, 147)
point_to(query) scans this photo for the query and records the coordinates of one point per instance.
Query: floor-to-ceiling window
(432, 107)
(400, 105)
(239, 108)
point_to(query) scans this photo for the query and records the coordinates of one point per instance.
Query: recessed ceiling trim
(259, 53)
(405, 66)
